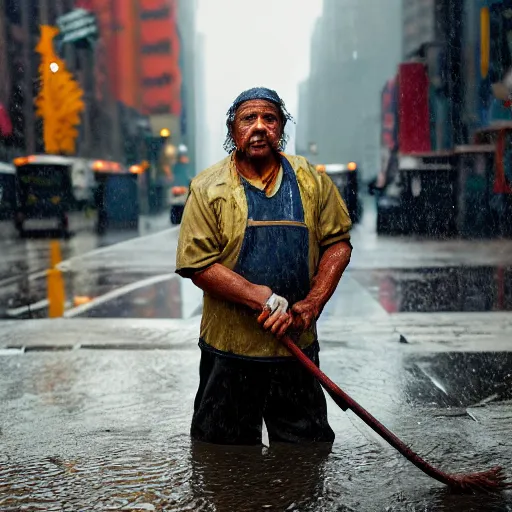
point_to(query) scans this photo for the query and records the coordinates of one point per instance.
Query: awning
(5, 122)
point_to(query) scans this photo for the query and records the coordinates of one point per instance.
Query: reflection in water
(179, 476)
(446, 501)
(135, 295)
(286, 477)
(459, 379)
(440, 289)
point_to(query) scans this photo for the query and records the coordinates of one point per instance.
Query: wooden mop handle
(346, 402)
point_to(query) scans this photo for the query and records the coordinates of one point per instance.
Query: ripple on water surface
(182, 476)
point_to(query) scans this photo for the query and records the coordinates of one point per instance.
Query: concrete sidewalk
(407, 332)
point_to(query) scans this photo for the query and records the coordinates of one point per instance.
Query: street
(23, 262)
(97, 405)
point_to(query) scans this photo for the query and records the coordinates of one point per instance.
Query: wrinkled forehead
(257, 107)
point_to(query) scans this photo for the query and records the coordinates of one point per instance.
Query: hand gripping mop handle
(492, 480)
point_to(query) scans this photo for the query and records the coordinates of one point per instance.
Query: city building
(354, 49)
(190, 49)
(302, 143)
(201, 135)
(148, 54)
(19, 67)
(130, 71)
(423, 22)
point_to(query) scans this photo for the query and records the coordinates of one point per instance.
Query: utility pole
(454, 11)
(137, 56)
(139, 100)
(43, 12)
(112, 86)
(85, 55)
(28, 90)
(5, 83)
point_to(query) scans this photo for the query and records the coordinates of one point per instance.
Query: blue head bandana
(256, 93)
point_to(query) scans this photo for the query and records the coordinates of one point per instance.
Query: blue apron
(275, 249)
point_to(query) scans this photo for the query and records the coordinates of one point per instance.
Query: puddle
(182, 476)
(459, 379)
(110, 293)
(112, 434)
(129, 296)
(440, 289)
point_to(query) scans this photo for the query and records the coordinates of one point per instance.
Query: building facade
(131, 74)
(419, 24)
(192, 79)
(354, 50)
(19, 63)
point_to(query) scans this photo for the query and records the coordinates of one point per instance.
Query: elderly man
(266, 237)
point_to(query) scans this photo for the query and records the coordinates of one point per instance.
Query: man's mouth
(257, 142)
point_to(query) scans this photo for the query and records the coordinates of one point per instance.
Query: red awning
(5, 122)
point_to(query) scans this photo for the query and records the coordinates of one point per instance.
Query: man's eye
(270, 119)
(249, 118)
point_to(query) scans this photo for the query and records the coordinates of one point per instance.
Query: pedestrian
(267, 238)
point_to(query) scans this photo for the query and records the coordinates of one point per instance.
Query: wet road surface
(105, 426)
(23, 265)
(464, 288)
(399, 275)
(96, 407)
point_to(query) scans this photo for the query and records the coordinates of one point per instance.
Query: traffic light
(59, 102)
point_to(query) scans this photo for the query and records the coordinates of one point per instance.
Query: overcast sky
(250, 43)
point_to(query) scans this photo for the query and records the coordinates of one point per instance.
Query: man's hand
(304, 313)
(333, 262)
(275, 317)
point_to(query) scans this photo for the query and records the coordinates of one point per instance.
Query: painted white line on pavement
(29, 307)
(118, 292)
(65, 264)
(11, 351)
(31, 277)
(41, 304)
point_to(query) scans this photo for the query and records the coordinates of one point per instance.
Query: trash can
(501, 198)
(498, 178)
(7, 191)
(345, 178)
(117, 200)
(476, 215)
(427, 201)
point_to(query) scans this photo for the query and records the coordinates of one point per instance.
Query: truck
(68, 194)
(446, 129)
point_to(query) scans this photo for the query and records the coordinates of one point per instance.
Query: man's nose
(260, 125)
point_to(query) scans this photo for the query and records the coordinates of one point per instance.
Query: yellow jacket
(212, 231)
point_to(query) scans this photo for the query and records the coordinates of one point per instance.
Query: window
(159, 47)
(157, 81)
(156, 14)
(158, 109)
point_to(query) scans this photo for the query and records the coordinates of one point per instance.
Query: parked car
(346, 177)
(179, 195)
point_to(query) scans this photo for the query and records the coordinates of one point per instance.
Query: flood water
(108, 430)
(440, 289)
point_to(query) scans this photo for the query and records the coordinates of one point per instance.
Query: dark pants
(234, 396)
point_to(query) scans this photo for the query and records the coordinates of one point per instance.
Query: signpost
(78, 25)
(79, 33)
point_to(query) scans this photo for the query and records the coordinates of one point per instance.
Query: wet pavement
(102, 424)
(464, 288)
(23, 264)
(96, 406)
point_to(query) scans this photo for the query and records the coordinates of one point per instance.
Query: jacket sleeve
(198, 244)
(334, 222)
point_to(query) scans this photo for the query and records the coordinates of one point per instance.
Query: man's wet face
(257, 128)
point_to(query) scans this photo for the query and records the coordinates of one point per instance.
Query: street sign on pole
(77, 25)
